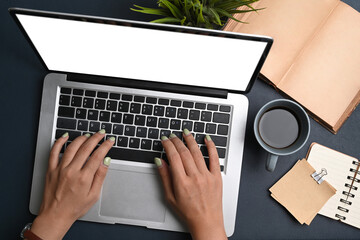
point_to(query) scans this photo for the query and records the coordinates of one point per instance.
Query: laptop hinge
(148, 85)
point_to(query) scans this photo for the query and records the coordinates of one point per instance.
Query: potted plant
(197, 13)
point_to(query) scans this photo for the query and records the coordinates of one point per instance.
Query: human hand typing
(192, 190)
(72, 185)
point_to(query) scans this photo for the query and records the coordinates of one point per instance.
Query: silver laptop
(139, 81)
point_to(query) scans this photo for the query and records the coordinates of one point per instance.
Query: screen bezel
(164, 27)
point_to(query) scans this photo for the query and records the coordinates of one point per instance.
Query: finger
(99, 178)
(165, 176)
(55, 151)
(214, 164)
(97, 157)
(177, 166)
(186, 157)
(86, 149)
(195, 151)
(72, 149)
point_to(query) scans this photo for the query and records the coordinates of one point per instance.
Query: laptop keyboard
(138, 122)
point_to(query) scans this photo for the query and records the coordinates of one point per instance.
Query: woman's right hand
(192, 190)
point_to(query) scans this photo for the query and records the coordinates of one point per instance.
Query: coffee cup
(281, 127)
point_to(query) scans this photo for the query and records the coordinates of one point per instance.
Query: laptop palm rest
(132, 195)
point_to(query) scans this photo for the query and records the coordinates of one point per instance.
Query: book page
(325, 78)
(290, 23)
(338, 167)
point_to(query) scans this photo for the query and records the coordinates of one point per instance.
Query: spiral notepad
(343, 174)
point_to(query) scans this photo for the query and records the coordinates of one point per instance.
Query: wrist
(209, 230)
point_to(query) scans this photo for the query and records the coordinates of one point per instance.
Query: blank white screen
(144, 54)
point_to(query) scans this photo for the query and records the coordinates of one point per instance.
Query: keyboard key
(163, 101)
(159, 111)
(204, 151)
(163, 123)
(90, 93)
(66, 112)
(153, 133)
(66, 123)
(141, 132)
(111, 105)
(140, 120)
(81, 113)
(65, 90)
(122, 142)
(151, 121)
(134, 142)
(94, 127)
(182, 113)
(64, 100)
(206, 116)
(100, 104)
(147, 109)
(200, 105)
(188, 125)
(221, 118)
(116, 117)
(165, 133)
(107, 127)
(219, 140)
(210, 128)
(146, 144)
(76, 101)
(102, 94)
(175, 103)
(115, 96)
(175, 124)
(178, 134)
(72, 134)
(78, 92)
(135, 108)
(129, 131)
(194, 115)
(104, 116)
(188, 104)
(151, 100)
(128, 119)
(133, 155)
(221, 152)
(199, 127)
(199, 138)
(118, 129)
(126, 97)
(82, 125)
(139, 99)
(123, 107)
(88, 103)
(170, 112)
(222, 129)
(157, 146)
(212, 107)
(93, 115)
(225, 108)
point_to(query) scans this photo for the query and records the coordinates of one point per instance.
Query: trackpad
(132, 195)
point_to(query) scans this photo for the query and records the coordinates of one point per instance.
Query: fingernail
(158, 162)
(107, 161)
(208, 137)
(65, 135)
(172, 136)
(112, 139)
(87, 135)
(102, 131)
(186, 132)
(163, 138)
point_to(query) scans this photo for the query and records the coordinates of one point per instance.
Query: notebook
(342, 174)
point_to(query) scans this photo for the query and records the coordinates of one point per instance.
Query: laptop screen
(110, 49)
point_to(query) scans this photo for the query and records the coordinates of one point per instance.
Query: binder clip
(318, 177)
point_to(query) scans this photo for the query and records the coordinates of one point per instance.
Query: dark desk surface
(258, 216)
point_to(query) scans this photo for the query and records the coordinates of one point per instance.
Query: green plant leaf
(153, 11)
(174, 10)
(167, 20)
(216, 16)
(226, 14)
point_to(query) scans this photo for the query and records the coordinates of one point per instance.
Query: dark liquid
(278, 128)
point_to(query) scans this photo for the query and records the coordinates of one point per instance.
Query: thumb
(166, 180)
(99, 177)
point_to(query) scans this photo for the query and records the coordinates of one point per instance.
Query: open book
(315, 56)
(343, 174)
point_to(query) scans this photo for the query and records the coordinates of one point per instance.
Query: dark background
(21, 78)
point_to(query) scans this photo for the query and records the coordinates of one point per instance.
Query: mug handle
(271, 162)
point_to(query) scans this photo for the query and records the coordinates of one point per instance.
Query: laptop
(139, 81)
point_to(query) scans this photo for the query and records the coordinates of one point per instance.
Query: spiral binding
(354, 171)
(351, 187)
(345, 201)
(355, 179)
(340, 217)
(356, 163)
